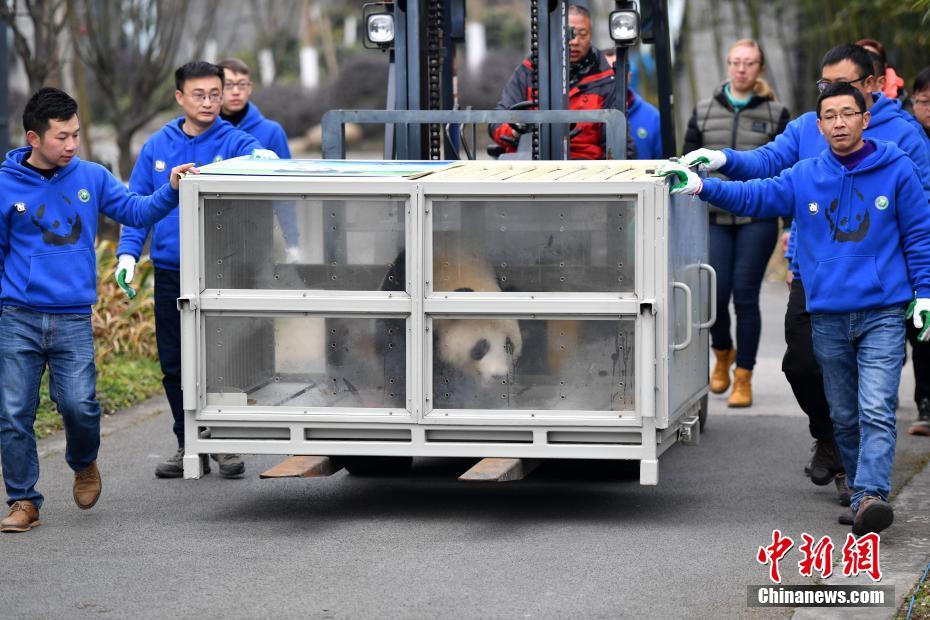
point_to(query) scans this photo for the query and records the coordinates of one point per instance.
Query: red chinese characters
(817, 556)
(861, 556)
(774, 553)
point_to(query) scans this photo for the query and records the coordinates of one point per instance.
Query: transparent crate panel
(543, 245)
(273, 361)
(533, 364)
(341, 244)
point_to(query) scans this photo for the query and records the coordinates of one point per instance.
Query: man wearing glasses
(802, 140)
(863, 243)
(921, 100)
(245, 116)
(196, 136)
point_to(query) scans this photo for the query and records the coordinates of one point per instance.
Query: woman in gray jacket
(742, 114)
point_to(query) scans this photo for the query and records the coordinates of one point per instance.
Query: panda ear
(464, 290)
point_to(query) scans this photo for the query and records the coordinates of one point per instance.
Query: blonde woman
(742, 114)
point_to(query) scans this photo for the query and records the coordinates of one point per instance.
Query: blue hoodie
(48, 228)
(266, 131)
(863, 234)
(167, 148)
(272, 136)
(643, 118)
(802, 140)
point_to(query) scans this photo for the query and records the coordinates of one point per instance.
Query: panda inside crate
(479, 363)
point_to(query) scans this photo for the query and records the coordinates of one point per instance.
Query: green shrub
(124, 344)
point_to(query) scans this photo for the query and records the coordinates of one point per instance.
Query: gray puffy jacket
(715, 124)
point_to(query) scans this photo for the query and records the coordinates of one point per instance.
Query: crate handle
(712, 274)
(689, 309)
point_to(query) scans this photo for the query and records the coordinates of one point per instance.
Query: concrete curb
(904, 554)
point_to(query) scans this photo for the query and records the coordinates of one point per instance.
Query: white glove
(125, 272)
(263, 154)
(293, 255)
(921, 305)
(714, 160)
(686, 182)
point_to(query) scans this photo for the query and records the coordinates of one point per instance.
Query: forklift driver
(591, 87)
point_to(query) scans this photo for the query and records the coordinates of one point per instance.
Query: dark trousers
(168, 337)
(800, 366)
(921, 358)
(739, 254)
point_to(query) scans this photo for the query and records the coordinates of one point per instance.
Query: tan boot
(742, 388)
(87, 486)
(720, 378)
(23, 517)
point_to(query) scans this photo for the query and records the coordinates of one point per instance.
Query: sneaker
(846, 518)
(23, 517)
(231, 466)
(922, 425)
(874, 515)
(174, 466)
(825, 464)
(842, 490)
(807, 468)
(87, 486)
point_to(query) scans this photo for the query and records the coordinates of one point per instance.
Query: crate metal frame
(418, 430)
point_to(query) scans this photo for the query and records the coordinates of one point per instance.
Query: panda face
(484, 350)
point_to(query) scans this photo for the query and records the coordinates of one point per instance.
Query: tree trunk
(126, 160)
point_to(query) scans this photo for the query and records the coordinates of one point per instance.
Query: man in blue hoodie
(642, 117)
(801, 140)
(245, 116)
(863, 243)
(48, 283)
(198, 136)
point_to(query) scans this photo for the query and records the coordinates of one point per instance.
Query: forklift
(421, 118)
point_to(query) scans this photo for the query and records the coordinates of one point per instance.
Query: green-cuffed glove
(125, 271)
(686, 182)
(714, 160)
(263, 154)
(919, 311)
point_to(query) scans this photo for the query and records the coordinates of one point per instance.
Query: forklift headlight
(624, 27)
(380, 28)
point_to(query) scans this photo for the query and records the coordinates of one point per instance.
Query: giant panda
(470, 356)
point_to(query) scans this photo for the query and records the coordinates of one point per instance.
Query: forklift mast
(422, 74)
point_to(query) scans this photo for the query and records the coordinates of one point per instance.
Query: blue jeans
(860, 355)
(739, 253)
(65, 342)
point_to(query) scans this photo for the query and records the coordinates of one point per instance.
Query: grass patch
(921, 609)
(122, 381)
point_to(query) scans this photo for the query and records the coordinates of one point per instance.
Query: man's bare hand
(178, 171)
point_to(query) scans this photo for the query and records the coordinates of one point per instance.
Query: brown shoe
(874, 515)
(23, 517)
(87, 486)
(742, 389)
(720, 377)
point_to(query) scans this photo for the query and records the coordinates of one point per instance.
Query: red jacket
(592, 90)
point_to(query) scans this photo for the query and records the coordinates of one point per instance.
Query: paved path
(566, 542)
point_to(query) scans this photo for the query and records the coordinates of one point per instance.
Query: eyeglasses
(234, 85)
(822, 83)
(921, 103)
(198, 97)
(749, 64)
(847, 115)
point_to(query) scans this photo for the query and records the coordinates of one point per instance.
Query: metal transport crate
(527, 310)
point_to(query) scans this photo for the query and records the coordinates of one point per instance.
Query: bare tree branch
(131, 47)
(37, 49)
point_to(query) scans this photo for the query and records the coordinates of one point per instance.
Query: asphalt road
(569, 541)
